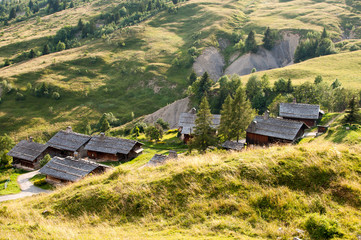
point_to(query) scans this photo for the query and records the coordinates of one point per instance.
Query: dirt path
(27, 188)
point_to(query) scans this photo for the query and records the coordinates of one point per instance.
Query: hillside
(135, 70)
(255, 194)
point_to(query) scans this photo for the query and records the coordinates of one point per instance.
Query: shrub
(162, 123)
(56, 96)
(19, 97)
(40, 182)
(45, 160)
(320, 227)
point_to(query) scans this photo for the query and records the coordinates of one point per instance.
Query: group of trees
(6, 143)
(262, 95)
(314, 45)
(269, 40)
(236, 114)
(125, 14)
(39, 90)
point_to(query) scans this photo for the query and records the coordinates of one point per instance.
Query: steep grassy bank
(256, 194)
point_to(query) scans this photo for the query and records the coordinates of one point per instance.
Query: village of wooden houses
(75, 155)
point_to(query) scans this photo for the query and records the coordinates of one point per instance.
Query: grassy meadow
(150, 70)
(255, 194)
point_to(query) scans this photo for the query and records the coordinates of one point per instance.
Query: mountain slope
(140, 68)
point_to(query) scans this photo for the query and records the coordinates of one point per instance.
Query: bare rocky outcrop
(280, 56)
(169, 113)
(210, 61)
(213, 62)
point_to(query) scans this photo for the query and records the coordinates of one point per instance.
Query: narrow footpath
(27, 188)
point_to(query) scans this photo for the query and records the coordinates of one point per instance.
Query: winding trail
(27, 188)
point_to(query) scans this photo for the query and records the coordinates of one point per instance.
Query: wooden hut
(187, 124)
(103, 148)
(62, 170)
(307, 113)
(67, 143)
(27, 154)
(265, 130)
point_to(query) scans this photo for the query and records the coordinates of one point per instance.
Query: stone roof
(275, 127)
(68, 140)
(158, 159)
(27, 150)
(234, 145)
(187, 122)
(300, 110)
(70, 169)
(110, 145)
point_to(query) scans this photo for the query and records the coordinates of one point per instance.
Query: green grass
(13, 186)
(344, 66)
(45, 186)
(246, 195)
(102, 77)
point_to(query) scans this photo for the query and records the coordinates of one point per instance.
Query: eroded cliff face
(211, 61)
(281, 55)
(169, 113)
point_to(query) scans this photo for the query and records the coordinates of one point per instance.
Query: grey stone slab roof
(68, 140)
(157, 159)
(234, 145)
(110, 145)
(187, 122)
(299, 110)
(275, 127)
(69, 169)
(27, 150)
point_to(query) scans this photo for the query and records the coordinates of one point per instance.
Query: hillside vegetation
(135, 70)
(255, 194)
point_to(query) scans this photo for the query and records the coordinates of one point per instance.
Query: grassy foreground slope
(255, 194)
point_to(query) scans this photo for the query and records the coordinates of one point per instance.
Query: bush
(19, 97)
(45, 160)
(320, 227)
(56, 96)
(40, 182)
(162, 123)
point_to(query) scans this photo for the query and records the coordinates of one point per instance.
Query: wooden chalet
(27, 154)
(103, 148)
(265, 130)
(234, 145)
(307, 113)
(186, 125)
(62, 170)
(67, 143)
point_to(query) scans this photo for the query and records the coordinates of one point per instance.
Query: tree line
(262, 95)
(125, 14)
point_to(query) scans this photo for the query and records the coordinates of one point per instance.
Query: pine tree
(251, 44)
(12, 14)
(46, 49)
(336, 84)
(225, 129)
(204, 134)
(269, 39)
(105, 126)
(318, 79)
(192, 78)
(353, 114)
(242, 113)
(324, 33)
(32, 53)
